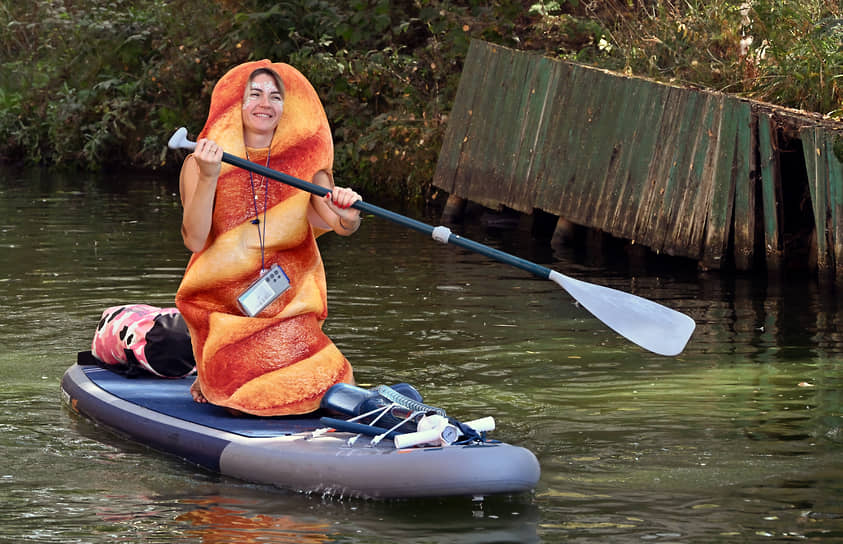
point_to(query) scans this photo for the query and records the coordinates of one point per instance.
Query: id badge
(264, 291)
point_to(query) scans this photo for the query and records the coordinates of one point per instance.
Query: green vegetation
(786, 52)
(91, 83)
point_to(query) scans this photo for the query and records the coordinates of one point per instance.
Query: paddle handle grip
(179, 140)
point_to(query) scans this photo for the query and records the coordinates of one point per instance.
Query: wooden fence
(682, 171)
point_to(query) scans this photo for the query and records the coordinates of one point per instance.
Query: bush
(787, 52)
(87, 83)
(97, 80)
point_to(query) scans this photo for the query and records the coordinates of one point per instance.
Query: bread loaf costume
(278, 362)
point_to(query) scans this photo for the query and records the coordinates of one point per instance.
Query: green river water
(738, 439)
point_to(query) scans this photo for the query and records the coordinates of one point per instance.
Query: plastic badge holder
(265, 290)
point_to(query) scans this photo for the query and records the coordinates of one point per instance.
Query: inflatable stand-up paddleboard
(302, 453)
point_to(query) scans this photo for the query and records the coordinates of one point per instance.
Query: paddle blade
(652, 326)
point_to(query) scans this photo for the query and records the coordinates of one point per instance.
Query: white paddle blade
(652, 326)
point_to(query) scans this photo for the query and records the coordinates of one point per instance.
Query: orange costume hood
(279, 362)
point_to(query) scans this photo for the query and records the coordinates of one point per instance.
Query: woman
(238, 225)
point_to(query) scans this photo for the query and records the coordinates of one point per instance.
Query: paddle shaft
(647, 323)
(402, 220)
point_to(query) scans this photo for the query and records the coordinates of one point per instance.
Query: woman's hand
(340, 200)
(333, 211)
(209, 158)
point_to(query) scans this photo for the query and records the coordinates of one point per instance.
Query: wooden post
(563, 233)
(454, 208)
(771, 191)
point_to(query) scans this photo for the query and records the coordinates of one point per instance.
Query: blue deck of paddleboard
(172, 397)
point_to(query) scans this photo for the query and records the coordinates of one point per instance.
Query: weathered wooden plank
(744, 182)
(666, 197)
(534, 153)
(473, 174)
(565, 186)
(656, 197)
(508, 119)
(644, 142)
(520, 188)
(484, 161)
(657, 165)
(587, 140)
(620, 143)
(600, 105)
(532, 79)
(683, 188)
(512, 113)
(771, 190)
(704, 169)
(558, 152)
(465, 131)
(834, 172)
(811, 138)
(633, 119)
(583, 140)
(618, 154)
(459, 120)
(719, 223)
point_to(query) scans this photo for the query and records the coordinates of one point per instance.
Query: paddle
(644, 322)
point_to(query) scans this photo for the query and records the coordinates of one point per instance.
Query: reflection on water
(737, 439)
(213, 523)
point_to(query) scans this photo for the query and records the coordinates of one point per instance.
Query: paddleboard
(286, 452)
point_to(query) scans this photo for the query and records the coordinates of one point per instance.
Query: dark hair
(270, 72)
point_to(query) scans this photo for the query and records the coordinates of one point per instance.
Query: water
(737, 440)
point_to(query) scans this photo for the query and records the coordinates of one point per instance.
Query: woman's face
(262, 106)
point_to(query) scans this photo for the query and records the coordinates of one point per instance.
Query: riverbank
(90, 85)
